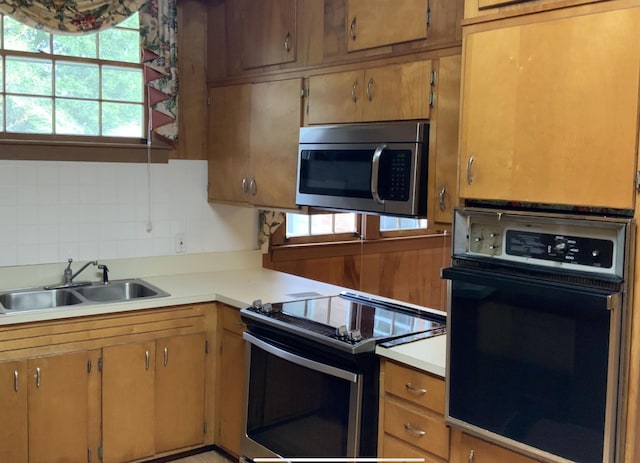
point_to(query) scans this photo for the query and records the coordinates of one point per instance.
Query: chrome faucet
(69, 275)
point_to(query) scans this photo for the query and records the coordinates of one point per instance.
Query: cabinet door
(478, 451)
(179, 392)
(229, 120)
(550, 111)
(276, 109)
(335, 98)
(443, 141)
(399, 91)
(268, 32)
(13, 403)
(58, 397)
(375, 23)
(128, 385)
(231, 381)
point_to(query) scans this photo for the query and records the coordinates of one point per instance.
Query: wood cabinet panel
(179, 392)
(395, 448)
(335, 97)
(13, 403)
(231, 387)
(469, 448)
(58, 407)
(414, 386)
(128, 402)
(375, 23)
(536, 111)
(484, 10)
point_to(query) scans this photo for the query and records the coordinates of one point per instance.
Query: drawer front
(428, 433)
(415, 386)
(394, 448)
(231, 319)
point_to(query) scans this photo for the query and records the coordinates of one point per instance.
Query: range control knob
(560, 246)
(355, 336)
(267, 308)
(341, 332)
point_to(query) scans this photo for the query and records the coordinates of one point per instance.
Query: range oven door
(297, 406)
(533, 364)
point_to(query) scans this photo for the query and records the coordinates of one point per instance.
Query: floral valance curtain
(158, 39)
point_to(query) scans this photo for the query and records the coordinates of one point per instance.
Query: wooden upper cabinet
(443, 139)
(484, 10)
(253, 144)
(376, 23)
(392, 92)
(267, 31)
(550, 110)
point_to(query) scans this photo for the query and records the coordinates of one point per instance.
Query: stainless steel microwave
(377, 168)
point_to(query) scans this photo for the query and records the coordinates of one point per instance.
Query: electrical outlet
(181, 243)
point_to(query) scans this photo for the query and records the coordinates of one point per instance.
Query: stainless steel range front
(537, 332)
(313, 375)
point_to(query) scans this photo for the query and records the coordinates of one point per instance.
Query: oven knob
(560, 247)
(355, 336)
(341, 331)
(257, 304)
(267, 308)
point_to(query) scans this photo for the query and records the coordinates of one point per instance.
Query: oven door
(532, 364)
(299, 407)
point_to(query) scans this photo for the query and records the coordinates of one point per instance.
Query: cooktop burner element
(350, 322)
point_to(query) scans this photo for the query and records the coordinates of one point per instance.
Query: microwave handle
(375, 172)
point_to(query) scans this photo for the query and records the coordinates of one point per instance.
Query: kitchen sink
(44, 299)
(121, 290)
(38, 299)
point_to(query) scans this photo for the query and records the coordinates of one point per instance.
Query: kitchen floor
(207, 457)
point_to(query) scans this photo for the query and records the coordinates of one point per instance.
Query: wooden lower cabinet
(44, 402)
(233, 378)
(155, 392)
(411, 415)
(468, 449)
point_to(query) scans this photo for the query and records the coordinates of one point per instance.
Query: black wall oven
(536, 332)
(313, 374)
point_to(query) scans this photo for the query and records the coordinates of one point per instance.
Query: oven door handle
(302, 361)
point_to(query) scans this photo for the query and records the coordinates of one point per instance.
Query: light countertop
(236, 279)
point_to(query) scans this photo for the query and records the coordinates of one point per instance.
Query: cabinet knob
(147, 360)
(370, 89)
(471, 455)
(287, 42)
(352, 29)
(253, 187)
(245, 185)
(354, 91)
(415, 431)
(469, 173)
(441, 197)
(15, 380)
(38, 377)
(416, 390)
(166, 356)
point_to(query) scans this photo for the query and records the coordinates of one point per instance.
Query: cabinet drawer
(231, 319)
(394, 448)
(413, 385)
(428, 433)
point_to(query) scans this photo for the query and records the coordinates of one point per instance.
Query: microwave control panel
(546, 240)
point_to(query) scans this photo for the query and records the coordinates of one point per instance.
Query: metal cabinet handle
(469, 174)
(245, 185)
(441, 198)
(375, 169)
(253, 187)
(15, 380)
(352, 29)
(416, 432)
(287, 42)
(38, 377)
(416, 390)
(354, 90)
(471, 455)
(370, 89)
(166, 356)
(146, 360)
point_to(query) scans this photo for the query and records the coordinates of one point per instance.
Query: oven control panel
(585, 244)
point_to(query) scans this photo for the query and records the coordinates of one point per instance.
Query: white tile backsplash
(86, 210)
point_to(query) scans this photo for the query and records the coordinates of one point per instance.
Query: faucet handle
(105, 273)
(69, 261)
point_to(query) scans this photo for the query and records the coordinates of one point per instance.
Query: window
(88, 85)
(321, 224)
(388, 223)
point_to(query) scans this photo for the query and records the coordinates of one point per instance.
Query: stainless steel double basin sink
(78, 295)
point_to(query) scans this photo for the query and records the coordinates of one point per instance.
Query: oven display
(560, 248)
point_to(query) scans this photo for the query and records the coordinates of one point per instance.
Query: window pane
(27, 114)
(122, 120)
(77, 80)
(345, 222)
(20, 37)
(396, 223)
(77, 117)
(322, 224)
(297, 225)
(120, 45)
(81, 46)
(1, 113)
(388, 223)
(122, 84)
(28, 76)
(132, 22)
